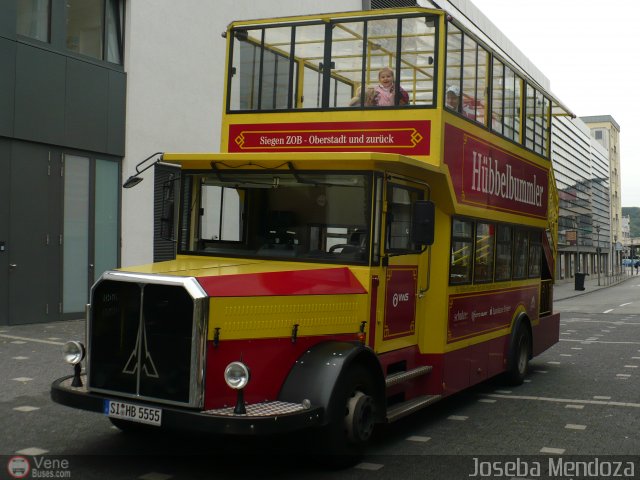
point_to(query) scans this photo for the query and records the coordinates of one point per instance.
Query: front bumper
(260, 419)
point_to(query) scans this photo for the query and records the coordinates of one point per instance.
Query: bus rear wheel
(519, 356)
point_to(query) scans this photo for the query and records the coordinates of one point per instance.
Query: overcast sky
(590, 52)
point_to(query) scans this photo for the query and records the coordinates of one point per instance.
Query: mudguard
(316, 373)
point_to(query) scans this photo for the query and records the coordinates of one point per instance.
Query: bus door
(405, 267)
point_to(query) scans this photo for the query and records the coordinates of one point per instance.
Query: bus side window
(399, 218)
(484, 251)
(454, 62)
(461, 251)
(503, 253)
(535, 254)
(520, 253)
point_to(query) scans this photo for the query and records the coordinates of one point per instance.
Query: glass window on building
(114, 15)
(33, 19)
(94, 28)
(84, 27)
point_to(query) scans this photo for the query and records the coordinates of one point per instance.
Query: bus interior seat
(280, 233)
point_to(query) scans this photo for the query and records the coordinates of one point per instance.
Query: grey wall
(7, 85)
(5, 160)
(8, 19)
(53, 96)
(64, 101)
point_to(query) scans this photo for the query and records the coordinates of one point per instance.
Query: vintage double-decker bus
(377, 233)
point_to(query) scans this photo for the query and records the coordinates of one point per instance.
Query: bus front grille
(144, 341)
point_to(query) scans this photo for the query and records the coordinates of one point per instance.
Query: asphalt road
(581, 398)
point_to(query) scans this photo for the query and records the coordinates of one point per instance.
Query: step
(400, 410)
(401, 377)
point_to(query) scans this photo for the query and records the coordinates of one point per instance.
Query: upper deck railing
(321, 63)
(338, 62)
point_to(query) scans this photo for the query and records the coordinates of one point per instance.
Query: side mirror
(423, 222)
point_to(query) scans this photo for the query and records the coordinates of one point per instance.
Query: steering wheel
(345, 248)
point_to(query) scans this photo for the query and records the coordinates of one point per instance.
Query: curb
(602, 287)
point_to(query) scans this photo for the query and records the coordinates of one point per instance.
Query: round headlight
(73, 352)
(236, 375)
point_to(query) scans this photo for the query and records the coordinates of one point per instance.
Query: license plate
(133, 413)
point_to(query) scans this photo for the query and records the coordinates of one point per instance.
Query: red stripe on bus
(329, 281)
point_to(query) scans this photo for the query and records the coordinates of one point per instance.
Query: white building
(174, 59)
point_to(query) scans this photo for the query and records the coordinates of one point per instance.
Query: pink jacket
(386, 97)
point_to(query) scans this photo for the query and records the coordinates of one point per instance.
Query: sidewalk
(565, 288)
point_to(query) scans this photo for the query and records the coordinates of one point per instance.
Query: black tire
(519, 355)
(351, 415)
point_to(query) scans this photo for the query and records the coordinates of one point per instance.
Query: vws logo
(399, 297)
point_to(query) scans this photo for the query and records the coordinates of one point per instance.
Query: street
(581, 397)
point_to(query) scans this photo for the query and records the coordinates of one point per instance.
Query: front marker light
(73, 352)
(236, 375)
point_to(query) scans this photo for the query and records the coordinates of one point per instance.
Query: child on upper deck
(385, 91)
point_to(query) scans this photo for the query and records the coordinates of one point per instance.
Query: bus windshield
(299, 216)
(314, 65)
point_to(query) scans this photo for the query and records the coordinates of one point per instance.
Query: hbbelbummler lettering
(490, 178)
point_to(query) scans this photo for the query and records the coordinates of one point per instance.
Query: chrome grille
(146, 338)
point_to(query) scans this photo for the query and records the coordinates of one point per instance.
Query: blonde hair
(386, 69)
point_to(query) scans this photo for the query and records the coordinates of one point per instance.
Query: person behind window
(385, 91)
(369, 97)
(452, 100)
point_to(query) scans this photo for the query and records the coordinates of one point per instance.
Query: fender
(316, 373)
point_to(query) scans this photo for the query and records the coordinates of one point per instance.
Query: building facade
(606, 131)
(62, 126)
(581, 167)
(626, 236)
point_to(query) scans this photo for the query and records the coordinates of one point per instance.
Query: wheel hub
(359, 419)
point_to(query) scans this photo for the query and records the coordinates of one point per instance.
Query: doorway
(63, 230)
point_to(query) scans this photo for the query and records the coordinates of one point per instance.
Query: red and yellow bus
(360, 248)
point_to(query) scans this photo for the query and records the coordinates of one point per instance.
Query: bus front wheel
(352, 418)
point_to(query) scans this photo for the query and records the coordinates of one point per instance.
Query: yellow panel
(274, 317)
